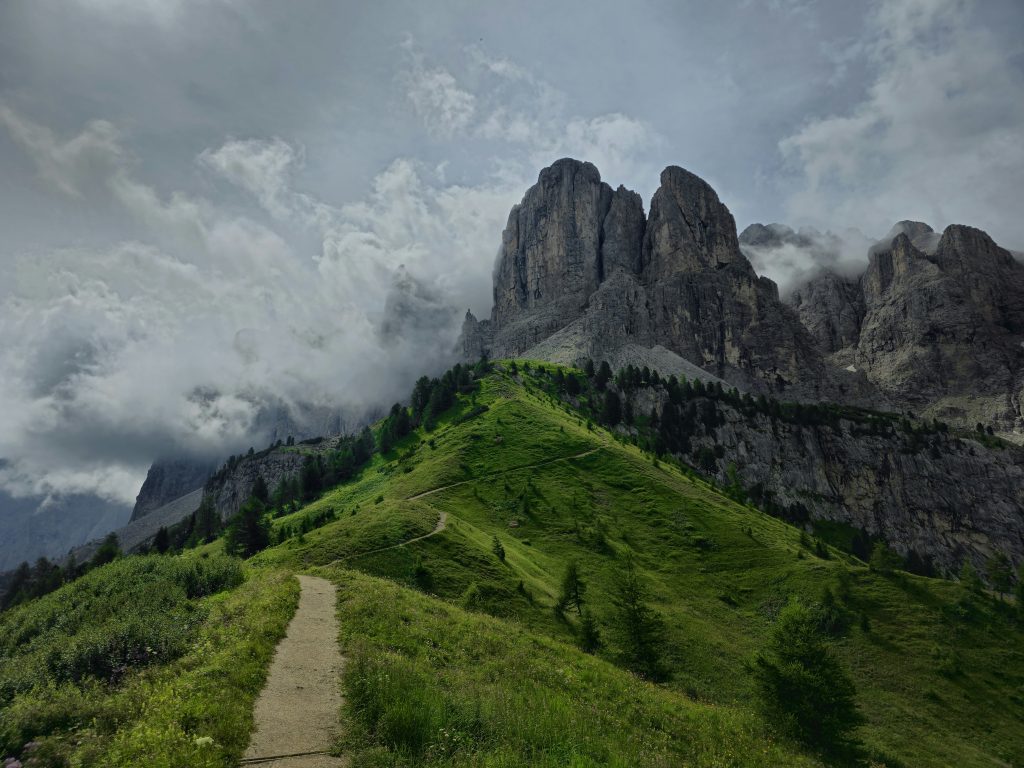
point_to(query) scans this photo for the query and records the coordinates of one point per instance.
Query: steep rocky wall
(938, 494)
(936, 323)
(583, 273)
(169, 479)
(233, 485)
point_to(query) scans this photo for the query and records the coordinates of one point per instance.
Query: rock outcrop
(583, 273)
(169, 479)
(935, 322)
(943, 496)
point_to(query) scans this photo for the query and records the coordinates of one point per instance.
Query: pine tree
(162, 540)
(248, 531)
(498, 549)
(1000, 573)
(803, 687)
(208, 522)
(611, 412)
(970, 579)
(260, 490)
(589, 635)
(573, 589)
(883, 559)
(109, 551)
(639, 628)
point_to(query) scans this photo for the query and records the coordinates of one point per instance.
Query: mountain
(48, 526)
(935, 322)
(450, 552)
(583, 272)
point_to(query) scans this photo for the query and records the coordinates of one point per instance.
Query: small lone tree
(640, 629)
(883, 559)
(970, 579)
(249, 530)
(498, 549)
(803, 687)
(1000, 573)
(162, 540)
(573, 589)
(589, 635)
(109, 551)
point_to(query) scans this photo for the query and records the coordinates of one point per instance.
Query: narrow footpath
(297, 713)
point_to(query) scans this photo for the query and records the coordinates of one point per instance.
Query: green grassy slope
(939, 674)
(457, 658)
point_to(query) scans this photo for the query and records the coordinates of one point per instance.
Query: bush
(117, 618)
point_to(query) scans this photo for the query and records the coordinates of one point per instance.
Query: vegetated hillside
(450, 550)
(938, 669)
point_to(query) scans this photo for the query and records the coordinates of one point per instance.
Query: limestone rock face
(475, 339)
(942, 496)
(689, 230)
(582, 273)
(936, 325)
(831, 308)
(622, 234)
(230, 488)
(170, 479)
(550, 249)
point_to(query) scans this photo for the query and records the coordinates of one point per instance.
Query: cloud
(530, 117)
(936, 136)
(261, 167)
(186, 343)
(72, 164)
(445, 108)
(190, 337)
(791, 258)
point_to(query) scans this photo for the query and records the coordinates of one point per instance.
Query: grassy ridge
(939, 672)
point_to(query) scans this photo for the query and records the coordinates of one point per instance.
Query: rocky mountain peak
(970, 250)
(689, 228)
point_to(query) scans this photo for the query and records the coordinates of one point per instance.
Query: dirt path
(442, 520)
(503, 472)
(297, 712)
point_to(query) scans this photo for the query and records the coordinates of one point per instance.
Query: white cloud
(937, 136)
(72, 164)
(445, 108)
(118, 355)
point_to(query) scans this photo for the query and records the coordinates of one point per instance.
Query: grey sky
(206, 203)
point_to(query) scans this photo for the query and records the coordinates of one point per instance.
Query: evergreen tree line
(28, 582)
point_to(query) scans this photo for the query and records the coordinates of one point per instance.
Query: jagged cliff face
(937, 494)
(935, 322)
(231, 487)
(583, 273)
(169, 479)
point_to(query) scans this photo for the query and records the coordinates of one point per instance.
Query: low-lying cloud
(181, 340)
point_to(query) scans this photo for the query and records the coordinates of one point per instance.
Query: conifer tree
(573, 589)
(803, 687)
(639, 628)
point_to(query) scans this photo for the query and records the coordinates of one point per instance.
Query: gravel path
(297, 713)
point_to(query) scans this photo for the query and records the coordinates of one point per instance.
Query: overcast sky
(205, 203)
